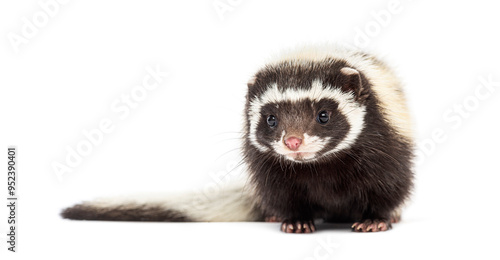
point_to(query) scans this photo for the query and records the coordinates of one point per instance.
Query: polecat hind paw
(395, 218)
(298, 226)
(273, 219)
(369, 225)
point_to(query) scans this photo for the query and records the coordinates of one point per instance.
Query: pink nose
(293, 143)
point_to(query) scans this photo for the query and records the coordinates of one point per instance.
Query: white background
(64, 77)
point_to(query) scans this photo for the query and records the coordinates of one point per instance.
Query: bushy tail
(229, 204)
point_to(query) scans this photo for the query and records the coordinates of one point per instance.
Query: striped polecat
(327, 136)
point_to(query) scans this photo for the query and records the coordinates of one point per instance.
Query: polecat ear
(251, 81)
(350, 80)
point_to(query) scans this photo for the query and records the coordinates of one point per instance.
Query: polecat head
(305, 111)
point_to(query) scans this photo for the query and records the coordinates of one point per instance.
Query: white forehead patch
(352, 110)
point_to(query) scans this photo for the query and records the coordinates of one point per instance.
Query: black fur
(367, 181)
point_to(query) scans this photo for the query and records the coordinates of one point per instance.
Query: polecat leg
(298, 226)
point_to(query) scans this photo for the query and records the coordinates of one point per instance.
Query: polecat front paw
(370, 225)
(298, 226)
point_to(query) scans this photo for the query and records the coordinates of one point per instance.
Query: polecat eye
(323, 117)
(271, 121)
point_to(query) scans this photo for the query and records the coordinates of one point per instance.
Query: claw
(290, 228)
(299, 226)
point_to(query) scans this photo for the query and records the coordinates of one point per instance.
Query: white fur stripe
(352, 110)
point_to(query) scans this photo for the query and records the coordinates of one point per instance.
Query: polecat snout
(327, 135)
